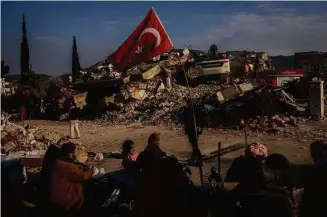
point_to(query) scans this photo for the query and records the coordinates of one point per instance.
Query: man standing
(73, 118)
(192, 130)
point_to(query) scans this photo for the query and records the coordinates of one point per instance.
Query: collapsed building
(154, 92)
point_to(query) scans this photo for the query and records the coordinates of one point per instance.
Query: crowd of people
(161, 187)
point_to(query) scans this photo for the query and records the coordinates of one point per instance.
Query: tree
(76, 67)
(4, 69)
(24, 55)
(213, 50)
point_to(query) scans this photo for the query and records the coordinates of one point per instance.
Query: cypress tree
(76, 67)
(24, 55)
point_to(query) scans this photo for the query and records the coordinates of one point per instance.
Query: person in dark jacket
(148, 160)
(147, 182)
(315, 191)
(192, 130)
(251, 163)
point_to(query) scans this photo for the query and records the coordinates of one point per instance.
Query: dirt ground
(106, 138)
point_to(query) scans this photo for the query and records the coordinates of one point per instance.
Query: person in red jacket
(22, 113)
(246, 69)
(67, 178)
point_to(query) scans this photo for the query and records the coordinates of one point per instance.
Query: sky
(278, 28)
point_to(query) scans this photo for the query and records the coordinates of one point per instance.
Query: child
(129, 155)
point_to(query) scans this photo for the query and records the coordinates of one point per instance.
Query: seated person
(51, 155)
(67, 178)
(147, 183)
(244, 165)
(315, 191)
(149, 159)
(277, 164)
(129, 156)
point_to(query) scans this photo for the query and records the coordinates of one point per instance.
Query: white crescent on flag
(154, 32)
(136, 49)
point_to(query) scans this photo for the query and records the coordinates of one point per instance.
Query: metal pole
(246, 135)
(219, 155)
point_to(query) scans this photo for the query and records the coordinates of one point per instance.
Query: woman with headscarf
(247, 172)
(248, 166)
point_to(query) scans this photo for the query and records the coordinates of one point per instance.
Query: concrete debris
(154, 92)
(244, 87)
(231, 92)
(18, 141)
(220, 97)
(159, 107)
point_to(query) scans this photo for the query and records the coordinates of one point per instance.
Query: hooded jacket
(66, 184)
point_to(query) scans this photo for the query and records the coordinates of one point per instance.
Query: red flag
(149, 39)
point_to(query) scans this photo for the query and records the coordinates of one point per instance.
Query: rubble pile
(18, 141)
(260, 59)
(152, 93)
(271, 124)
(147, 97)
(101, 70)
(158, 105)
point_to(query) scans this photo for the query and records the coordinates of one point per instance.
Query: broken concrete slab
(138, 94)
(244, 87)
(11, 127)
(161, 87)
(231, 92)
(7, 147)
(151, 73)
(80, 100)
(220, 96)
(115, 99)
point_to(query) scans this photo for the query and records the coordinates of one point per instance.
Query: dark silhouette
(4, 69)
(148, 163)
(192, 130)
(278, 164)
(24, 55)
(314, 195)
(76, 67)
(213, 51)
(248, 168)
(148, 160)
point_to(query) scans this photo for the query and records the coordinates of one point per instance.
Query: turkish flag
(148, 40)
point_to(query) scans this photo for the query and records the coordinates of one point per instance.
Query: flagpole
(194, 121)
